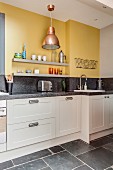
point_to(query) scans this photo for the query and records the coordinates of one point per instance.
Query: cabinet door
(97, 114)
(110, 112)
(27, 133)
(68, 115)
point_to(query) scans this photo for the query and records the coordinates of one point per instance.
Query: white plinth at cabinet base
(101, 134)
(11, 154)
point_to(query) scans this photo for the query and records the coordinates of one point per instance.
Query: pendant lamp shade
(51, 41)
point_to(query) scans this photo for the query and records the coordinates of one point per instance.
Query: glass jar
(53, 56)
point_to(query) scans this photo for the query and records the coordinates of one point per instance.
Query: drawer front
(23, 134)
(22, 110)
(2, 103)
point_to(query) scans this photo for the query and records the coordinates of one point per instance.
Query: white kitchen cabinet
(97, 115)
(109, 111)
(101, 113)
(68, 115)
(30, 121)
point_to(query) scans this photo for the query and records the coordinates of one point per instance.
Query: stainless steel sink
(89, 90)
(3, 93)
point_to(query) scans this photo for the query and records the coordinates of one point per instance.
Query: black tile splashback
(108, 83)
(29, 84)
(2, 83)
(73, 83)
(24, 84)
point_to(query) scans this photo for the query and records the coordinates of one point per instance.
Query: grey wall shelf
(39, 62)
(40, 75)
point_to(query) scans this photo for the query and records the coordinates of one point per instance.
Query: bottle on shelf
(24, 52)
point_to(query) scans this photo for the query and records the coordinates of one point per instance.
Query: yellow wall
(84, 43)
(76, 40)
(27, 27)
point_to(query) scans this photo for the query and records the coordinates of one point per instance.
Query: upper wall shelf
(39, 62)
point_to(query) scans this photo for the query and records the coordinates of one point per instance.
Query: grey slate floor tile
(98, 159)
(109, 146)
(84, 167)
(56, 149)
(17, 168)
(5, 165)
(47, 168)
(31, 157)
(62, 161)
(77, 147)
(34, 165)
(67, 157)
(101, 141)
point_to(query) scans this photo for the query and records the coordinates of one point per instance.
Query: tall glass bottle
(24, 52)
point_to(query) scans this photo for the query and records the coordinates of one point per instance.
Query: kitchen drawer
(2, 103)
(23, 110)
(19, 135)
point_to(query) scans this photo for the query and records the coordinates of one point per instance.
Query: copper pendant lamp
(51, 41)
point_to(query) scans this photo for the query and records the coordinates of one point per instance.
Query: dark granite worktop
(50, 94)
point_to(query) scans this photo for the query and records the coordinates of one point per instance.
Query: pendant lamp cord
(51, 17)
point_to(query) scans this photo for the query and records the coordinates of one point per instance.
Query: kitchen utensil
(33, 57)
(100, 84)
(61, 57)
(28, 71)
(18, 55)
(44, 85)
(36, 71)
(63, 83)
(44, 58)
(53, 56)
(39, 57)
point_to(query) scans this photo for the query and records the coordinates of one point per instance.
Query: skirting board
(101, 134)
(5, 156)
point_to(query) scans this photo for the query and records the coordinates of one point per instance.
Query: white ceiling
(90, 12)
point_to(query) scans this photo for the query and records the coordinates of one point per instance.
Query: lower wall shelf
(39, 75)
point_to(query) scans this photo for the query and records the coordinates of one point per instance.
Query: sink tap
(83, 75)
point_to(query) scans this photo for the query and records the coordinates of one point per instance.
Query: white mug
(39, 57)
(36, 71)
(44, 58)
(33, 57)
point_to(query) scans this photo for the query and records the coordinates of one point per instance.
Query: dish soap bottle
(85, 86)
(24, 52)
